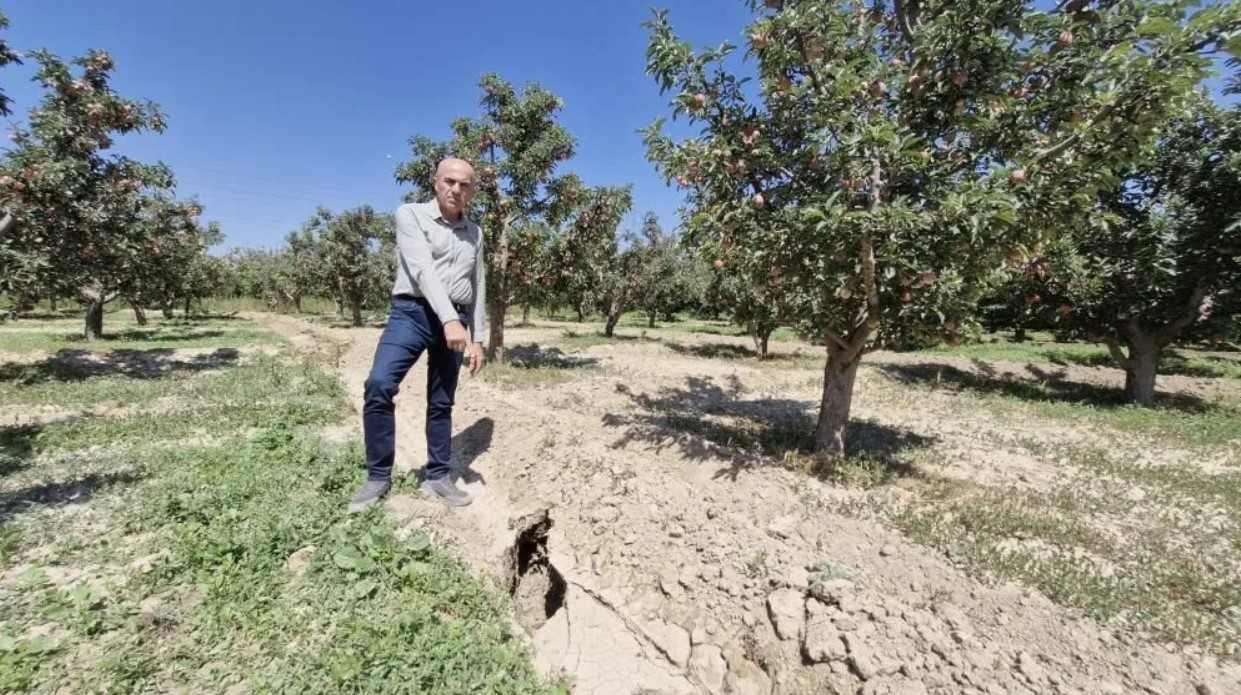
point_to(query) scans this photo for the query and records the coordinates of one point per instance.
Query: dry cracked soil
(646, 554)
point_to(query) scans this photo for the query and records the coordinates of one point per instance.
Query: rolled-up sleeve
(478, 308)
(418, 262)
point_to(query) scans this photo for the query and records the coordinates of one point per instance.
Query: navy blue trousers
(413, 328)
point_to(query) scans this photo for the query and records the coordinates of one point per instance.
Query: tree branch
(835, 338)
(1194, 308)
(1117, 354)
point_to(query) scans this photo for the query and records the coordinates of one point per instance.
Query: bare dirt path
(676, 565)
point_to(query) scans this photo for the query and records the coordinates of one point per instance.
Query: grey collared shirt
(443, 262)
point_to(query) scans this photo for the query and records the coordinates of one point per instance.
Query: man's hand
(455, 336)
(477, 360)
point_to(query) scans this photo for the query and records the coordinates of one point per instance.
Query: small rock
(689, 575)
(676, 531)
(797, 578)
(605, 515)
(712, 513)
(863, 665)
(787, 611)
(707, 665)
(846, 624)
(1204, 689)
(833, 590)
(673, 641)
(782, 527)
(887, 551)
(823, 642)
(1030, 668)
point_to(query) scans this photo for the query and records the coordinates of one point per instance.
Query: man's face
(454, 187)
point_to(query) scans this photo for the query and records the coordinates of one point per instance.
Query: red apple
(878, 88)
(700, 100)
(1065, 40)
(760, 39)
(950, 324)
(907, 296)
(1065, 309)
(925, 155)
(750, 135)
(758, 200)
(6, 181)
(960, 77)
(1035, 299)
(1019, 175)
(719, 263)
(774, 4)
(927, 277)
(682, 181)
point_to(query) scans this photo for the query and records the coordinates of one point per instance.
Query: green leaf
(347, 559)
(1156, 26)
(363, 589)
(419, 542)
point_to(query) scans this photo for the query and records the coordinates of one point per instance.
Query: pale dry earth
(686, 566)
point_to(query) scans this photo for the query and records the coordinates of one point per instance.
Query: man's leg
(402, 342)
(443, 369)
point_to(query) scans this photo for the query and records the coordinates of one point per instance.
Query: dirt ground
(645, 558)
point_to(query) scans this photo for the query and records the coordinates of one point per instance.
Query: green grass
(1182, 418)
(1167, 568)
(216, 492)
(158, 335)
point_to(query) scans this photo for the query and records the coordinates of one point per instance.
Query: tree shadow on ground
(145, 335)
(534, 357)
(16, 447)
(1170, 363)
(728, 351)
(709, 421)
(600, 338)
(80, 365)
(1049, 386)
(61, 493)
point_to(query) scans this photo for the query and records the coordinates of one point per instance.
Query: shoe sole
(446, 500)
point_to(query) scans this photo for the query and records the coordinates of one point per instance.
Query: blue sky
(276, 106)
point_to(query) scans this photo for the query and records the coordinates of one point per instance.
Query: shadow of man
(467, 446)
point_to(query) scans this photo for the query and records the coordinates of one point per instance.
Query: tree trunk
(187, 306)
(140, 314)
(297, 304)
(1141, 369)
(51, 300)
(650, 319)
(581, 314)
(340, 307)
(525, 314)
(1019, 335)
(838, 378)
(761, 335)
(167, 309)
(94, 319)
(610, 326)
(356, 309)
(497, 295)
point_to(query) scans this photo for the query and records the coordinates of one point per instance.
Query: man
(439, 289)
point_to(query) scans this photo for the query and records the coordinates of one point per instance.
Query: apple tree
(530, 264)
(1161, 261)
(890, 156)
(515, 146)
(78, 213)
(346, 241)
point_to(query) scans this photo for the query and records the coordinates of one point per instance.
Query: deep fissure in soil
(537, 587)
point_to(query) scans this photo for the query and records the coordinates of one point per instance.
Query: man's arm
(419, 264)
(478, 310)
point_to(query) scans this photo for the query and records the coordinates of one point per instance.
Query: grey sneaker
(370, 493)
(448, 492)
